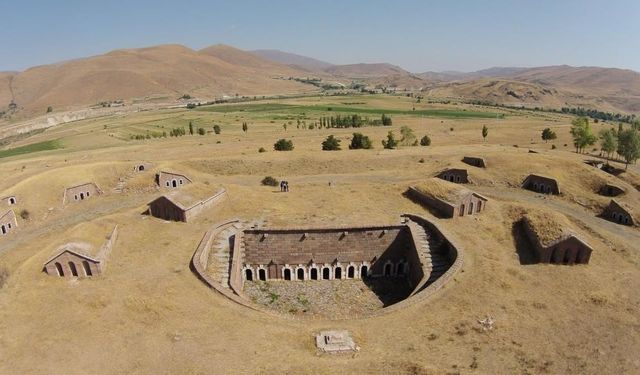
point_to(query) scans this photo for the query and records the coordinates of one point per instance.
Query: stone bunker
(394, 261)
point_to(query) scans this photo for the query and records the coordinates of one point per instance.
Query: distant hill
(366, 70)
(291, 59)
(166, 70)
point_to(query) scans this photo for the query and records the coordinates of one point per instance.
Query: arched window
(326, 273)
(141, 168)
(59, 269)
(400, 269)
(81, 196)
(248, 274)
(387, 269)
(287, 274)
(72, 267)
(75, 197)
(181, 182)
(174, 183)
(168, 185)
(548, 189)
(471, 208)
(262, 274)
(337, 273)
(479, 206)
(314, 273)
(535, 186)
(457, 178)
(3, 230)
(364, 272)
(87, 268)
(451, 178)
(300, 273)
(462, 210)
(12, 200)
(351, 272)
(87, 194)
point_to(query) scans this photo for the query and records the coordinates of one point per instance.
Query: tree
(608, 141)
(190, 128)
(269, 181)
(391, 142)
(485, 132)
(360, 141)
(386, 120)
(629, 146)
(49, 109)
(408, 137)
(548, 135)
(216, 129)
(201, 131)
(582, 134)
(284, 126)
(425, 141)
(245, 127)
(283, 145)
(331, 144)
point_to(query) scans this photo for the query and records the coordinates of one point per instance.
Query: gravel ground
(334, 299)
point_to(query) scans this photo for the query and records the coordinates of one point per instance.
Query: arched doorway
(59, 269)
(12, 200)
(364, 272)
(81, 196)
(337, 273)
(87, 268)
(248, 274)
(141, 168)
(387, 269)
(471, 208)
(326, 273)
(400, 269)
(300, 273)
(262, 274)
(351, 272)
(479, 208)
(174, 183)
(3, 229)
(314, 273)
(462, 209)
(287, 274)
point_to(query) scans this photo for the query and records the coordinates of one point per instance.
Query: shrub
(360, 141)
(391, 142)
(191, 106)
(216, 129)
(49, 109)
(269, 181)
(553, 147)
(261, 149)
(201, 131)
(25, 214)
(283, 145)
(331, 144)
(421, 160)
(425, 141)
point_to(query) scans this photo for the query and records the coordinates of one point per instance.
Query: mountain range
(166, 72)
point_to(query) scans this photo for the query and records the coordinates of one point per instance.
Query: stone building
(611, 190)
(554, 241)
(10, 200)
(541, 184)
(185, 204)
(456, 175)
(474, 161)
(142, 167)
(449, 200)
(8, 223)
(171, 180)
(619, 212)
(80, 193)
(79, 259)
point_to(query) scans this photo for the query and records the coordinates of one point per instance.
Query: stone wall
(8, 223)
(68, 264)
(165, 209)
(470, 205)
(541, 184)
(171, 180)
(443, 208)
(196, 209)
(459, 176)
(474, 161)
(569, 250)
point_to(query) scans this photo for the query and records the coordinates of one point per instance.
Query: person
(281, 186)
(286, 186)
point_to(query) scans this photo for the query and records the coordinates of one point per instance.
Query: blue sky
(417, 35)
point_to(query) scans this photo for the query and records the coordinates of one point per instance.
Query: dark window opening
(4, 230)
(387, 269)
(262, 274)
(248, 274)
(12, 201)
(326, 274)
(174, 183)
(364, 272)
(300, 274)
(287, 274)
(141, 168)
(462, 210)
(59, 269)
(72, 267)
(87, 268)
(351, 272)
(314, 274)
(400, 270)
(81, 196)
(337, 273)
(470, 208)
(479, 206)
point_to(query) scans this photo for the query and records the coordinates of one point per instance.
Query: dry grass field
(150, 314)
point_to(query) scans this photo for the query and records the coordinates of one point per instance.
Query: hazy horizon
(463, 36)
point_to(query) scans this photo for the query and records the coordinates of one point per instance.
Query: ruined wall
(163, 208)
(81, 192)
(541, 184)
(195, 210)
(444, 208)
(459, 176)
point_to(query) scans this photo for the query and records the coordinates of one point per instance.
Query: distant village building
(449, 200)
(620, 213)
(611, 190)
(8, 223)
(10, 200)
(456, 175)
(541, 184)
(184, 205)
(171, 180)
(80, 259)
(474, 161)
(141, 167)
(80, 193)
(553, 240)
